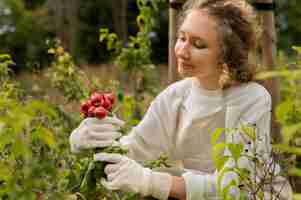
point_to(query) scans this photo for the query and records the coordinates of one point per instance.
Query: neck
(209, 84)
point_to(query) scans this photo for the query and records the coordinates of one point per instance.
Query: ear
(225, 77)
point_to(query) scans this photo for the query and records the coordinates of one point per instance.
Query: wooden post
(175, 5)
(268, 45)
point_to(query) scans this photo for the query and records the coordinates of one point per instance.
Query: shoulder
(173, 95)
(177, 89)
(251, 92)
(248, 102)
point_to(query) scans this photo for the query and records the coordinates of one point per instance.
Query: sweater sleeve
(152, 136)
(257, 113)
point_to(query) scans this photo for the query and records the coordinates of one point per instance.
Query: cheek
(206, 60)
(200, 56)
(204, 56)
(177, 47)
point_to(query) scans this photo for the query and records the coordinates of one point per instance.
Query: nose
(182, 49)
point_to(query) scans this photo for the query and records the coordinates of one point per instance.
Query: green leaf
(51, 51)
(225, 191)
(140, 4)
(243, 173)
(4, 57)
(35, 106)
(220, 176)
(243, 196)
(5, 138)
(20, 148)
(261, 195)
(5, 171)
(45, 135)
(283, 110)
(218, 158)
(294, 172)
(141, 21)
(220, 162)
(235, 150)
(216, 135)
(297, 48)
(297, 196)
(286, 148)
(283, 73)
(249, 131)
(290, 131)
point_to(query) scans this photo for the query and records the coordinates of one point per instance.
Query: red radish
(91, 111)
(96, 99)
(85, 107)
(111, 97)
(106, 103)
(98, 105)
(100, 112)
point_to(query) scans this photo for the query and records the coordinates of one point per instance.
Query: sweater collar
(200, 102)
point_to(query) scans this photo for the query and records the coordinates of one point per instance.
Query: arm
(152, 136)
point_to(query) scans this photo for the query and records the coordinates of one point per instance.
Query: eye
(181, 37)
(199, 44)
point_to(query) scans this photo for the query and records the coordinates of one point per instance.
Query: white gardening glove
(93, 132)
(127, 175)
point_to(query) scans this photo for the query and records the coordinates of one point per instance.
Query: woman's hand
(127, 175)
(93, 132)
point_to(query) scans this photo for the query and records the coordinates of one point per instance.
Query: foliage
(35, 157)
(24, 30)
(92, 15)
(35, 160)
(254, 177)
(66, 76)
(288, 112)
(70, 80)
(135, 59)
(22, 34)
(287, 18)
(75, 86)
(7, 87)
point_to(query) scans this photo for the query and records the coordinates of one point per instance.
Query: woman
(215, 39)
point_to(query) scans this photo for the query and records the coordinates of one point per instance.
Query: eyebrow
(193, 37)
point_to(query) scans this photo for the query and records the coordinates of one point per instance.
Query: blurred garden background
(54, 53)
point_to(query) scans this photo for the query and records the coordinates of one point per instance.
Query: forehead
(198, 23)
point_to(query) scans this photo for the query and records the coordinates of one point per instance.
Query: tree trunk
(268, 45)
(123, 18)
(72, 17)
(119, 14)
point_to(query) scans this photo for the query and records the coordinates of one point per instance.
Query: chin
(185, 73)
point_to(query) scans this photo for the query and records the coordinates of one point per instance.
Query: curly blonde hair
(237, 30)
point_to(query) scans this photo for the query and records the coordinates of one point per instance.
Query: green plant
(35, 158)
(135, 58)
(288, 115)
(66, 76)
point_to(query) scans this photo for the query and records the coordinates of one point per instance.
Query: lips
(185, 64)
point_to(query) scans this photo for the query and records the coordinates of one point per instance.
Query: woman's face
(197, 48)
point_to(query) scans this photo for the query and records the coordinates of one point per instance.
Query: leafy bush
(23, 34)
